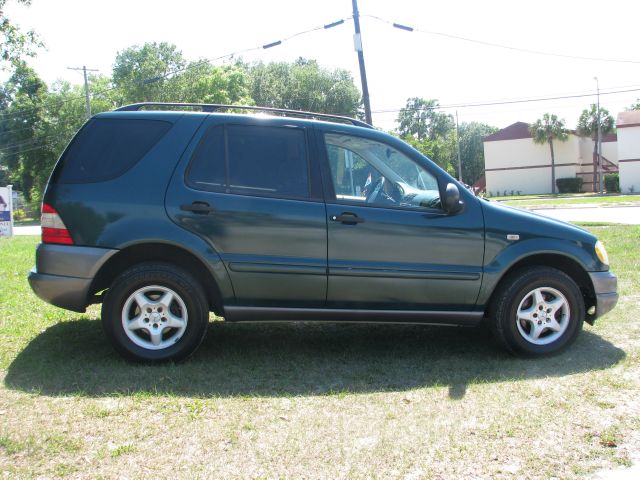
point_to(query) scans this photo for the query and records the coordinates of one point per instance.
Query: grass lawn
(589, 199)
(315, 401)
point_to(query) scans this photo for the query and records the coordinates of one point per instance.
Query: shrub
(19, 214)
(612, 182)
(569, 185)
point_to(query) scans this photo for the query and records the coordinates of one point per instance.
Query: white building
(628, 124)
(513, 162)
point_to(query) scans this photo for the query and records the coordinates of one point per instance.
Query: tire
(155, 312)
(537, 311)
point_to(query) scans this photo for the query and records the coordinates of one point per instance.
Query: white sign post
(6, 209)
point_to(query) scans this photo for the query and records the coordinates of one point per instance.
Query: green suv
(164, 214)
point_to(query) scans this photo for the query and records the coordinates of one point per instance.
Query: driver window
(369, 172)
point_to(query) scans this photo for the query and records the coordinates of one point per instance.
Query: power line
(507, 102)
(498, 45)
(28, 143)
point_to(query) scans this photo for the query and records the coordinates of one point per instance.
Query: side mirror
(451, 201)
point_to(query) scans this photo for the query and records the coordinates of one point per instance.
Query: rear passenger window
(107, 147)
(257, 160)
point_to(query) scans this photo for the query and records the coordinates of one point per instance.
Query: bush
(19, 214)
(569, 185)
(612, 182)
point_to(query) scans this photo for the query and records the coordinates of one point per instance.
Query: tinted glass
(107, 147)
(268, 160)
(365, 171)
(207, 165)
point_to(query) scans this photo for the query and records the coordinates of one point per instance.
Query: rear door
(251, 188)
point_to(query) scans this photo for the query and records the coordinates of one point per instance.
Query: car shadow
(292, 359)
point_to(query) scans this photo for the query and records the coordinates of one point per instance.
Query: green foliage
(546, 130)
(472, 149)
(144, 73)
(612, 182)
(588, 122)
(569, 185)
(14, 43)
(19, 214)
(304, 85)
(421, 120)
(430, 132)
(442, 150)
(635, 106)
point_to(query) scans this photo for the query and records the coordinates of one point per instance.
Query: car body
(164, 216)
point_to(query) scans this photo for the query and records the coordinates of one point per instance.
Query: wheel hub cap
(543, 315)
(154, 317)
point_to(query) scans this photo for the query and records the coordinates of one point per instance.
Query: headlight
(601, 252)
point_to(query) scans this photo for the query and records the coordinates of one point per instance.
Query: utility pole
(458, 143)
(599, 138)
(86, 86)
(357, 40)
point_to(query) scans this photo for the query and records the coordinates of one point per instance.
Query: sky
(425, 63)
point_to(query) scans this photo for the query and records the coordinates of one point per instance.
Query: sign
(6, 223)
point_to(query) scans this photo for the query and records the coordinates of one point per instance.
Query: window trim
(329, 188)
(226, 188)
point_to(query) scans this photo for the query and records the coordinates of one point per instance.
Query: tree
(472, 149)
(588, 127)
(546, 130)
(14, 44)
(204, 83)
(428, 131)
(420, 119)
(635, 106)
(22, 149)
(147, 73)
(304, 85)
(442, 150)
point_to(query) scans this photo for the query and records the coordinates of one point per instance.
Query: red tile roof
(628, 119)
(512, 132)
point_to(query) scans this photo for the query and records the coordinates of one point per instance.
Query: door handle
(347, 218)
(197, 207)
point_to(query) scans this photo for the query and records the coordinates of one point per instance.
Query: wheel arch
(160, 252)
(560, 262)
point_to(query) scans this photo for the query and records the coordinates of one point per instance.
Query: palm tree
(588, 126)
(547, 129)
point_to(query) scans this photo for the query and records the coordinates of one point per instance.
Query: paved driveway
(31, 230)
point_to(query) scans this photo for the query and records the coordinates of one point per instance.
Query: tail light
(53, 228)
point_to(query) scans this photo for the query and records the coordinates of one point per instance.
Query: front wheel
(155, 312)
(537, 311)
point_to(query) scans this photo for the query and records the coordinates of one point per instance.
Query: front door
(249, 190)
(391, 244)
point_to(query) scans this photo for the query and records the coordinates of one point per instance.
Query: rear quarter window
(107, 147)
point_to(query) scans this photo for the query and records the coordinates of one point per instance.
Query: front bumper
(64, 273)
(605, 286)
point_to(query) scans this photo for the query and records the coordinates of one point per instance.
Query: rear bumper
(605, 285)
(65, 292)
(63, 274)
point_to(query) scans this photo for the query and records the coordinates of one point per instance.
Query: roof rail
(213, 107)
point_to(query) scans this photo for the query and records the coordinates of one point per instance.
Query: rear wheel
(155, 312)
(537, 311)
